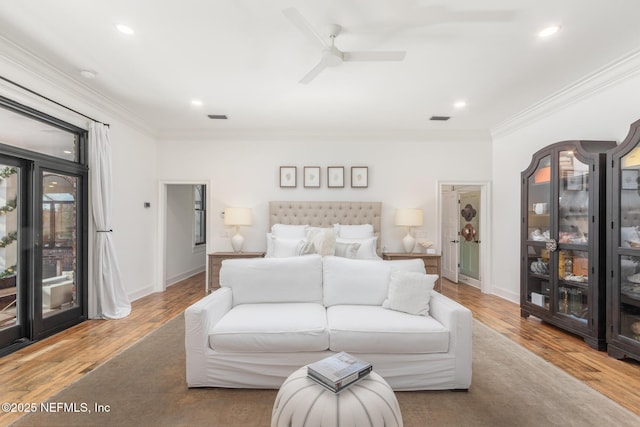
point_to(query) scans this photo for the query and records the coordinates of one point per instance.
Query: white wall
(604, 115)
(182, 260)
(245, 173)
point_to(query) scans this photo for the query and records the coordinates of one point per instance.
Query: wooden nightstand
(431, 264)
(215, 262)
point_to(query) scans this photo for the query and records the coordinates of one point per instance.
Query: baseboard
(147, 290)
(508, 295)
(184, 275)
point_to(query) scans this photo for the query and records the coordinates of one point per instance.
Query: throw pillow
(347, 250)
(410, 292)
(305, 248)
(324, 240)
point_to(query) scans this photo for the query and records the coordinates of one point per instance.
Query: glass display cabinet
(623, 297)
(563, 259)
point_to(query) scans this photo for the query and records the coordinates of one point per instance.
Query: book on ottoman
(338, 371)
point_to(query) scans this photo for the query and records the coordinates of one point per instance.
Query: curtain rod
(51, 100)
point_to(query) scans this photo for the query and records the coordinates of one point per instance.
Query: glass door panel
(538, 284)
(539, 191)
(59, 236)
(11, 298)
(573, 199)
(629, 320)
(573, 279)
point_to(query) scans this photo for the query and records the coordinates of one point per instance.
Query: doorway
(464, 225)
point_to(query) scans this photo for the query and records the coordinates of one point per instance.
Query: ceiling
(244, 58)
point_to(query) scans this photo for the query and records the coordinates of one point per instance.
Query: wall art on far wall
(359, 177)
(288, 176)
(312, 176)
(335, 176)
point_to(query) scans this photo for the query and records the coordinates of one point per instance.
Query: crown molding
(29, 70)
(611, 74)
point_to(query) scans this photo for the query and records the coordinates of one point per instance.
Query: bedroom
(593, 101)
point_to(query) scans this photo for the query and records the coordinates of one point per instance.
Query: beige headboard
(325, 214)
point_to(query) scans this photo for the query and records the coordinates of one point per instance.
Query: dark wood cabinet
(623, 296)
(563, 255)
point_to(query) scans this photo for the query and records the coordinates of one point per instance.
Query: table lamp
(409, 218)
(236, 217)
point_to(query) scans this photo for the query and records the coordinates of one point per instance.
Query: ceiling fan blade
(374, 56)
(303, 25)
(313, 73)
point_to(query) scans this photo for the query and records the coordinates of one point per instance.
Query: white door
(450, 237)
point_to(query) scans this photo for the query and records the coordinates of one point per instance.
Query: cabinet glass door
(573, 199)
(539, 232)
(629, 321)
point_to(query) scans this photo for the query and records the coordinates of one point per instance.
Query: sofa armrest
(459, 320)
(199, 320)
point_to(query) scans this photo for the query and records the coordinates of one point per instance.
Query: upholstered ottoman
(303, 402)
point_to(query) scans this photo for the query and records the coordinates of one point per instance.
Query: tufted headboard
(325, 214)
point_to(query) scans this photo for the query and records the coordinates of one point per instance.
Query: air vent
(218, 116)
(440, 118)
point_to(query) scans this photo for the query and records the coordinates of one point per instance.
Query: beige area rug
(145, 386)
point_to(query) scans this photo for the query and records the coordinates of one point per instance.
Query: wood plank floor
(38, 372)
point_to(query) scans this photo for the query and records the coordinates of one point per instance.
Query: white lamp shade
(237, 216)
(409, 217)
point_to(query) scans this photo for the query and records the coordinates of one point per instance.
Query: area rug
(145, 386)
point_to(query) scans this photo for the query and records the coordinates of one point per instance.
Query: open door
(450, 236)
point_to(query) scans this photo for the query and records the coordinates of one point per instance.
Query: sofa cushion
(410, 292)
(265, 280)
(373, 329)
(272, 328)
(360, 281)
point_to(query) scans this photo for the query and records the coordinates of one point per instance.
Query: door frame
(161, 271)
(485, 224)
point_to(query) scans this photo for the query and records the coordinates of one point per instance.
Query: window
(200, 205)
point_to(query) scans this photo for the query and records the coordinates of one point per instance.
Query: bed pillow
(289, 231)
(347, 250)
(367, 249)
(410, 292)
(361, 231)
(283, 248)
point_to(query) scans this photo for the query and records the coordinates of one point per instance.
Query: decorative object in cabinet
(562, 245)
(623, 263)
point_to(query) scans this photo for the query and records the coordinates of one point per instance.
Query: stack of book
(339, 371)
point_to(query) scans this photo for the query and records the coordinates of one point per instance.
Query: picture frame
(335, 176)
(359, 177)
(288, 175)
(312, 177)
(629, 179)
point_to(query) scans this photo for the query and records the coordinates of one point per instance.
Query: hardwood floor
(38, 372)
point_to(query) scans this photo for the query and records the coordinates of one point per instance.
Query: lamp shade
(409, 217)
(237, 216)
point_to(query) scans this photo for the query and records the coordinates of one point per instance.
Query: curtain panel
(107, 296)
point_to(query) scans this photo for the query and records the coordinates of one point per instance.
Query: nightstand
(431, 264)
(215, 262)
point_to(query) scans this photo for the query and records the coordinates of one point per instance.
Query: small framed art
(288, 176)
(312, 177)
(359, 177)
(335, 176)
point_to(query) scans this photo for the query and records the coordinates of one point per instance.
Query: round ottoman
(303, 402)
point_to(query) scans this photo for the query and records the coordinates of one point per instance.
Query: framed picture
(288, 176)
(312, 177)
(629, 179)
(335, 176)
(359, 177)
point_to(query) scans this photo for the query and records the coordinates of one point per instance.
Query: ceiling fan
(331, 55)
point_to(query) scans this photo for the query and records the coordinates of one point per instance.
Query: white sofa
(272, 316)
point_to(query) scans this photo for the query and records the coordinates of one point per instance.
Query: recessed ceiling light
(460, 104)
(88, 74)
(125, 29)
(549, 31)
(67, 151)
(196, 103)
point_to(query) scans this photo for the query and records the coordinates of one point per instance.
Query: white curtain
(107, 296)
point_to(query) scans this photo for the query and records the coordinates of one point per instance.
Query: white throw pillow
(324, 240)
(284, 247)
(289, 231)
(410, 292)
(367, 248)
(347, 250)
(361, 231)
